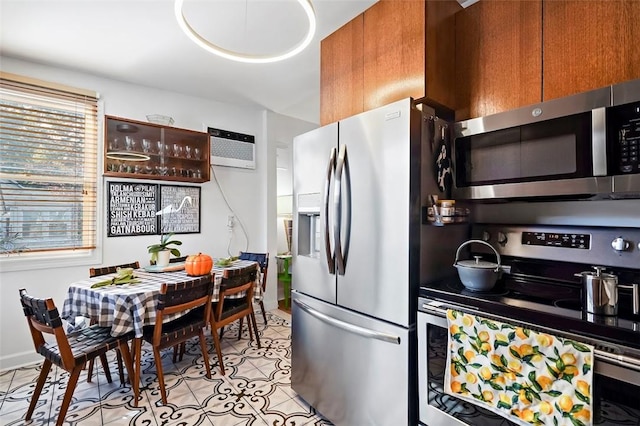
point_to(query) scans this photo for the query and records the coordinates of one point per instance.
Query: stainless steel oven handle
(621, 360)
(434, 309)
(600, 355)
(364, 332)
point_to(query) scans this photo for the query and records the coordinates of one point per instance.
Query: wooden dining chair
(229, 307)
(263, 261)
(178, 350)
(193, 296)
(70, 351)
(96, 272)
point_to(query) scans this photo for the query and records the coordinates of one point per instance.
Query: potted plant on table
(161, 252)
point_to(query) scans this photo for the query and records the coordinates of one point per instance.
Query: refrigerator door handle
(361, 331)
(327, 242)
(342, 173)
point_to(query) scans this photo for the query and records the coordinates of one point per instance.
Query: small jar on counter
(445, 212)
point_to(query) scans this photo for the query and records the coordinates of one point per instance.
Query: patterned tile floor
(255, 390)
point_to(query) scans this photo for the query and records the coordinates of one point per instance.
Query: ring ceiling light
(241, 57)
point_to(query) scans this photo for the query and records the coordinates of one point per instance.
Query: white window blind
(48, 162)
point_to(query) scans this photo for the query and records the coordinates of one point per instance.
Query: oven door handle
(621, 360)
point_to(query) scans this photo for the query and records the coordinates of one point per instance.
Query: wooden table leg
(137, 343)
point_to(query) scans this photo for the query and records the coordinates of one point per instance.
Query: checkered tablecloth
(132, 306)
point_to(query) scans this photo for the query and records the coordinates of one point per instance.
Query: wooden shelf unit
(139, 150)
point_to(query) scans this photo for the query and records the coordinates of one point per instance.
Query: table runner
(523, 375)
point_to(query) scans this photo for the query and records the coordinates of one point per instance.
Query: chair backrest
(184, 296)
(261, 258)
(43, 317)
(233, 278)
(263, 261)
(234, 281)
(96, 272)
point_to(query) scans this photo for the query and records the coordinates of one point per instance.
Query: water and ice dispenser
(309, 231)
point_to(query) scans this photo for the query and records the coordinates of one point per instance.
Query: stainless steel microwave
(584, 146)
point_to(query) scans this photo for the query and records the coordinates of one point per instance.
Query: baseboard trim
(13, 361)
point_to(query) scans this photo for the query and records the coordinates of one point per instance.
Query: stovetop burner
(575, 305)
(543, 292)
(515, 291)
(495, 292)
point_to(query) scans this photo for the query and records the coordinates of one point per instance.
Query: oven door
(616, 389)
(435, 407)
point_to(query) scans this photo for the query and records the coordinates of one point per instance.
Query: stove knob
(486, 236)
(502, 238)
(620, 244)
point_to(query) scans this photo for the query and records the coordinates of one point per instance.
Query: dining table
(129, 308)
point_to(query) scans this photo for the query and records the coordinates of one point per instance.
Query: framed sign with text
(131, 209)
(180, 207)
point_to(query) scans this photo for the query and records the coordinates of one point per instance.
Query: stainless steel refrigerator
(358, 201)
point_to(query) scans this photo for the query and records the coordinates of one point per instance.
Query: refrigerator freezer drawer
(353, 369)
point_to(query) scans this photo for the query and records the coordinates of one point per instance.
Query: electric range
(540, 291)
(541, 287)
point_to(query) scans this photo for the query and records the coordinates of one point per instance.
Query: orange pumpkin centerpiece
(198, 264)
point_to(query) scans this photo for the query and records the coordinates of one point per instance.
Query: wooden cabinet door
(440, 57)
(341, 72)
(394, 52)
(498, 52)
(589, 44)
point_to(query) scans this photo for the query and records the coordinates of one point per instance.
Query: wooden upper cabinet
(341, 72)
(440, 58)
(589, 44)
(498, 50)
(394, 52)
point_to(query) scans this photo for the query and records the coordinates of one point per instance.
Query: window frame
(60, 258)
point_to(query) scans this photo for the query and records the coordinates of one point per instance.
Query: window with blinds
(48, 162)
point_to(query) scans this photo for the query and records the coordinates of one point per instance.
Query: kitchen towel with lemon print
(523, 375)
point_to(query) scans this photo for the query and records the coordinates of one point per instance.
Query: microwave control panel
(625, 135)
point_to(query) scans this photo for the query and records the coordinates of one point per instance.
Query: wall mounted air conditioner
(232, 149)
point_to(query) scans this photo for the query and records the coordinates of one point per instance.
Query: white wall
(281, 132)
(282, 136)
(250, 193)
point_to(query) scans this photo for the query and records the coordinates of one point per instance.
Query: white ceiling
(140, 42)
